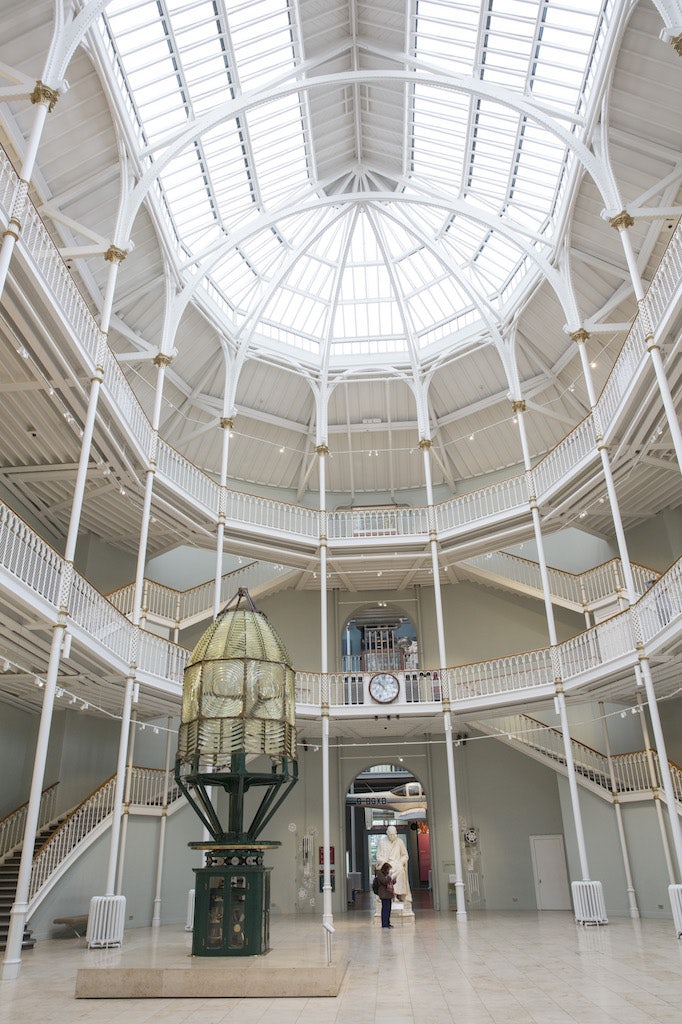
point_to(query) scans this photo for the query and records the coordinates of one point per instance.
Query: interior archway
(378, 796)
(379, 637)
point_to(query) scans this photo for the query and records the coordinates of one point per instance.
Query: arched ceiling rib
(366, 189)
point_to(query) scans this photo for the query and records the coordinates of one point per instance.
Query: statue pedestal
(401, 913)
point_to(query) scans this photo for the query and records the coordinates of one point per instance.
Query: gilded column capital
(322, 449)
(580, 336)
(425, 444)
(676, 42)
(621, 220)
(44, 94)
(226, 422)
(114, 254)
(161, 359)
(518, 405)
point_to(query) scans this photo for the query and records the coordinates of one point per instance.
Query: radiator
(588, 903)
(106, 921)
(189, 923)
(675, 894)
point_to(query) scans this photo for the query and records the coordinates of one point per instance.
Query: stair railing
(80, 823)
(589, 763)
(631, 770)
(148, 787)
(147, 791)
(13, 824)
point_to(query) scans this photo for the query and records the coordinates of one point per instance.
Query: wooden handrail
(25, 804)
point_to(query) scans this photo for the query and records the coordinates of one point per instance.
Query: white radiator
(189, 923)
(106, 921)
(588, 903)
(675, 894)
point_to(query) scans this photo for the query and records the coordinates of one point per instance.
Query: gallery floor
(498, 968)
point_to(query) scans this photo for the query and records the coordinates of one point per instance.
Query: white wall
(18, 734)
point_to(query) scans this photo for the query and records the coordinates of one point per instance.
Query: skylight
(311, 264)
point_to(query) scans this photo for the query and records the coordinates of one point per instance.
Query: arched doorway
(381, 795)
(379, 637)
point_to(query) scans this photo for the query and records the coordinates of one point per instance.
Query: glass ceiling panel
(179, 59)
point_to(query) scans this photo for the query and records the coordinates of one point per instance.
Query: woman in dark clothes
(385, 894)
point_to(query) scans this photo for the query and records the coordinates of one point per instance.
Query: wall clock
(384, 687)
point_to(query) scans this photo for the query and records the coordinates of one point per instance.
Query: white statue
(392, 850)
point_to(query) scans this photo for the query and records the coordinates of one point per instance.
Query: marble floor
(498, 968)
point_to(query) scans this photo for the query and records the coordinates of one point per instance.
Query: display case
(232, 908)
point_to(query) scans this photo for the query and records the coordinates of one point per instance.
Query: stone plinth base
(218, 979)
(400, 914)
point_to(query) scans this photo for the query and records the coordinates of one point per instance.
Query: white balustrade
(148, 787)
(48, 264)
(117, 392)
(610, 640)
(302, 522)
(264, 513)
(147, 790)
(632, 772)
(96, 617)
(181, 607)
(26, 557)
(362, 523)
(661, 603)
(8, 185)
(188, 479)
(487, 502)
(73, 831)
(12, 825)
(560, 463)
(162, 659)
(667, 280)
(501, 675)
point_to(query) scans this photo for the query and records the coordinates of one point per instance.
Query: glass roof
(342, 196)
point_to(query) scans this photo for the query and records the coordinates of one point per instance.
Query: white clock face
(384, 687)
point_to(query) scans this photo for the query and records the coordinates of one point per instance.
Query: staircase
(9, 874)
(632, 772)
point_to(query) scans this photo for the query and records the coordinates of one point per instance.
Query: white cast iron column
(226, 425)
(630, 888)
(327, 915)
(519, 409)
(156, 915)
(44, 99)
(161, 361)
(12, 958)
(653, 782)
(622, 222)
(460, 901)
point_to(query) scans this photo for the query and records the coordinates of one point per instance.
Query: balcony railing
(298, 521)
(587, 590)
(614, 641)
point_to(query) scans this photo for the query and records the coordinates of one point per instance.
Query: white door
(552, 891)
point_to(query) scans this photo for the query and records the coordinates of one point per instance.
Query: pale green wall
(604, 856)
(104, 566)
(18, 732)
(658, 542)
(479, 622)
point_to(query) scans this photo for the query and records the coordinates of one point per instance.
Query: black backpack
(375, 886)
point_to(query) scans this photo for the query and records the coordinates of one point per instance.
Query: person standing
(392, 850)
(385, 893)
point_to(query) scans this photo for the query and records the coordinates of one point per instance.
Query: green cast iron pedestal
(237, 734)
(232, 901)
